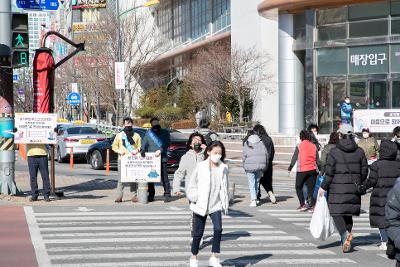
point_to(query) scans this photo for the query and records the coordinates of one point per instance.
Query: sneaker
(347, 243)
(302, 208)
(214, 262)
(47, 199)
(383, 246)
(272, 197)
(194, 263)
(167, 199)
(311, 210)
(135, 199)
(118, 200)
(253, 203)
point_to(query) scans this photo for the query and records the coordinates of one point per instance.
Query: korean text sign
(377, 120)
(35, 128)
(136, 169)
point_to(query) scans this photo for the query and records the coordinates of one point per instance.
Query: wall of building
(252, 31)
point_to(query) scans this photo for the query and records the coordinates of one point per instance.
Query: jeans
(199, 224)
(39, 163)
(254, 182)
(309, 178)
(164, 181)
(343, 224)
(383, 234)
(121, 186)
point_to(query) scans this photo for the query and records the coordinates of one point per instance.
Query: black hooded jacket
(392, 216)
(382, 177)
(346, 166)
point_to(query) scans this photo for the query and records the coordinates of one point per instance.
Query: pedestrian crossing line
(124, 218)
(306, 214)
(309, 218)
(374, 247)
(295, 211)
(153, 254)
(167, 239)
(156, 233)
(130, 222)
(262, 262)
(359, 224)
(89, 228)
(79, 248)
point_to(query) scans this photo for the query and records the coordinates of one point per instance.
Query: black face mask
(197, 147)
(128, 128)
(156, 128)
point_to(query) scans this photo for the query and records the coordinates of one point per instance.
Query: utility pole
(7, 153)
(119, 59)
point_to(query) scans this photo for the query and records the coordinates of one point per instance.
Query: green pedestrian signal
(20, 40)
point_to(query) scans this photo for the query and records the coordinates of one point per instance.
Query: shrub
(169, 114)
(184, 124)
(146, 112)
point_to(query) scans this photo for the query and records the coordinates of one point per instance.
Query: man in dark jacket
(392, 216)
(158, 140)
(396, 140)
(382, 177)
(347, 166)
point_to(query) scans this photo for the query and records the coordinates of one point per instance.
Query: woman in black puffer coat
(382, 177)
(347, 165)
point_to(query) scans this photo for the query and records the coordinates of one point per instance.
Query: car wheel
(96, 160)
(59, 158)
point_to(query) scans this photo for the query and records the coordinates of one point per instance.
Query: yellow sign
(151, 3)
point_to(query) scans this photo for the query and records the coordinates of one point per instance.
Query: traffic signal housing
(20, 40)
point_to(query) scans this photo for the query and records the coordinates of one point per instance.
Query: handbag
(360, 188)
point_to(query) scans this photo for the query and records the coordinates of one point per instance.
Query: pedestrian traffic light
(20, 40)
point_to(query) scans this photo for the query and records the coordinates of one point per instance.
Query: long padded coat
(346, 158)
(382, 177)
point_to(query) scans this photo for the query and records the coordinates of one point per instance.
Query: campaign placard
(35, 128)
(136, 169)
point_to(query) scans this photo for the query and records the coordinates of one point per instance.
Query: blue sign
(38, 4)
(74, 99)
(15, 77)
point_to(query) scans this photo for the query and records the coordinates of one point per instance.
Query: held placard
(136, 169)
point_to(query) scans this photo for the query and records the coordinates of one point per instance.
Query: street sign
(74, 99)
(74, 88)
(120, 75)
(38, 4)
(16, 77)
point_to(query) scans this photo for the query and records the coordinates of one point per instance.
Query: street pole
(119, 58)
(7, 153)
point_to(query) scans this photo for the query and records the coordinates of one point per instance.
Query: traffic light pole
(7, 153)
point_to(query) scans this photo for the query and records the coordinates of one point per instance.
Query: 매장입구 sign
(35, 128)
(136, 169)
(377, 120)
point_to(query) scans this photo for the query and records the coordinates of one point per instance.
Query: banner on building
(376, 120)
(89, 4)
(35, 128)
(120, 75)
(136, 169)
(43, 81)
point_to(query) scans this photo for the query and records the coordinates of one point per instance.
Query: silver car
(78, 139)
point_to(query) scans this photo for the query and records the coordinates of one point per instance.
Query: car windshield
(178, 136)
(82, 130)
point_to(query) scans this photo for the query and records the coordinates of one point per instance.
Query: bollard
(71, 158)
(142, 192)
(108, 162)
(231, 193)
(22, 151)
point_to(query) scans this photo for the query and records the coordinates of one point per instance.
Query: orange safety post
(108, 162)
(22, 151)
(71, 158)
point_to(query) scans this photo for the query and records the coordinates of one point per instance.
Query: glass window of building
(200, 18)
(331, 16)
(331, 61)
(369, 59)
(369, 28)
(186, 20)
(369, 11)
(396, 94)
(332, 32)
(378, 95)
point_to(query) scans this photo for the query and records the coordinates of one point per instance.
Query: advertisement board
(35, 128)
(377, 120)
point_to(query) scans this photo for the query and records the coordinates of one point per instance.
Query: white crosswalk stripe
(96, 239)
(361, 230)
(279, 188)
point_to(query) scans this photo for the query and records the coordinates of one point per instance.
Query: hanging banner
(376, 120)
(43, 81)
(35, 128)
(120, 75)
(136, 169)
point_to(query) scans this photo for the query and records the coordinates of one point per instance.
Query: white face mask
(365, 135)
(215, 158)
(347, 101)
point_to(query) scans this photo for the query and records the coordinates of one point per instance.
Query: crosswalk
(161, 238)
(365, 237)
(280, 188)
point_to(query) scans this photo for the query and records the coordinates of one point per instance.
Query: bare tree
(219, 70)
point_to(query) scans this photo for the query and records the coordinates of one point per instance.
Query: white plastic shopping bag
(321, 225)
